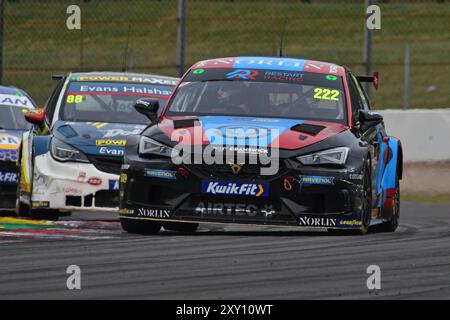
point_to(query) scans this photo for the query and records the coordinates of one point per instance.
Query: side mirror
(148, 107)
(36, 117)
(369, 119)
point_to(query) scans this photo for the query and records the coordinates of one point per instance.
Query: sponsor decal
(235, 188)
(349, 223)
(123, 178)
(157, 173)
(283, 76)
(269, 63)
(17, 100)
(317, 180)
(126, 211)
(98, 125)
(126, 79)
(113, 184)
(237, 209)
(8, 141)
(110, 142)
(81, 177)
(70, 190)
(9, 155)
(241, 149)
(94, 181)
(111, 151)
(154, 213)
(120, 132)
(40, 204)
(242, 74)
(355, 176)
(317, 222)
(8, 177)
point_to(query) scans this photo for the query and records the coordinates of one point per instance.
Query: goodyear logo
(163, 174)
(40, 204)
(110, 142)
(350, 223)
(317, 180)
(126, 211)
(235, 188)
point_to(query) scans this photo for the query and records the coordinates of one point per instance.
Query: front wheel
(365, 212)
(140, 226)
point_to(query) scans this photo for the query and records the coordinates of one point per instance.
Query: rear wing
(373, 78)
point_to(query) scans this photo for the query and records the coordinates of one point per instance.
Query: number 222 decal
(326, 94)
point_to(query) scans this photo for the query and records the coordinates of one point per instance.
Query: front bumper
(308, 197)
(8, 184)
(70, 186)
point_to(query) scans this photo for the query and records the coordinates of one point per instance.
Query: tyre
(22, 209)
(392, 224)
(181, 227)
(366, 215)
(140, 226)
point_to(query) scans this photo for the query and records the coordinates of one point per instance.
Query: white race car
(71, 158)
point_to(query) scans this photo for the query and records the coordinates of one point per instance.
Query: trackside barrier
(424, 133)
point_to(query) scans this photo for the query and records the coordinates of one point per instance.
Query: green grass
(419, 198)
(38, 44)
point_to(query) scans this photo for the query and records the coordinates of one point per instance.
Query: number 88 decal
(74, 99)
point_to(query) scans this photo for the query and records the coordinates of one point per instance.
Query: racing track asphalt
(238, 263)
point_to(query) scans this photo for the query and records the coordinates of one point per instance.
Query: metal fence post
(367, 58)
(406, 77)
(181, 19)
(1, 39)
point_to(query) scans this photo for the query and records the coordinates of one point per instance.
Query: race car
(263, 141)
(14, 103)
(70, 159)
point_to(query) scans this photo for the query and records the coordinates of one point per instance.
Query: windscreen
(12, 118)
(261, 93)
(109, 101)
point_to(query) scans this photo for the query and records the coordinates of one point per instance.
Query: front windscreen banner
(114, 101)
(305, 78)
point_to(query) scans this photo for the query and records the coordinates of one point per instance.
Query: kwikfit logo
(235, 188)
(8, 177)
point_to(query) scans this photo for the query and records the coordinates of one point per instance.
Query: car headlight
(64, 152)
(150, 146)
(331, 156)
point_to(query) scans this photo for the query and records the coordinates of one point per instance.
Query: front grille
(107, 164)
(225, 171)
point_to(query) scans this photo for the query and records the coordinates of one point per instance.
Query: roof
(272, 63)
(124, 77)
(11, 90)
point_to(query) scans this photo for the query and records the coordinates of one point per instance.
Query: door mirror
(369, 119)
(148, 107)
(36, 116)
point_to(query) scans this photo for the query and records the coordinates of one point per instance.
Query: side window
(51, 102)
(354, 96)
(362, 93)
